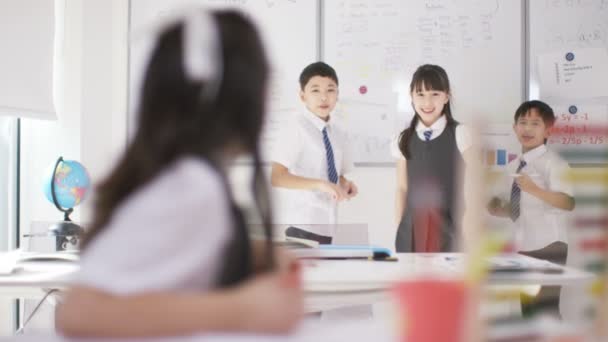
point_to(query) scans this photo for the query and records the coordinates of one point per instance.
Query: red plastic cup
(432, 310)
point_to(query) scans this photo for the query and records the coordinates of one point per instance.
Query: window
(8, 182)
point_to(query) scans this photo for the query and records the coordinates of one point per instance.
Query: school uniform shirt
(301, 150)
(169, 235)
(539, 224)
(463, 136)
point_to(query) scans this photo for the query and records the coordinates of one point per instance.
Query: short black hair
(543, 109)
(317, 69)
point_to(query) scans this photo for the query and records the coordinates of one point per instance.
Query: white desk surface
(329, 331)
(335, 281)
(332, 284)
(31, 277)
(363, 275)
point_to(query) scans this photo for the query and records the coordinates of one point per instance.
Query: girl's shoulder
(186, 180)
(196, 173)
(463, 136)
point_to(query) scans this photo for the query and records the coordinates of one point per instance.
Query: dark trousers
(547, 300)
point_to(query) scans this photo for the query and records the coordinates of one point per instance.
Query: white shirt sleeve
(558, 169)
(168, 235)
(463, 138)
(285, 150)
(395, 151)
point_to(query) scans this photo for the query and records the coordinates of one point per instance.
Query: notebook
(344, 252)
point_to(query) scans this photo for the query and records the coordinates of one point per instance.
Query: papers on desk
(506, 263)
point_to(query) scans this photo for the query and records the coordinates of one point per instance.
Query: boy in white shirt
(539, 197)
(313, 155)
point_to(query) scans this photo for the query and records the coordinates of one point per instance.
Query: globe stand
(66, 232)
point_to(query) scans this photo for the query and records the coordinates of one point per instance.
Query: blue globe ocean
(72, 183)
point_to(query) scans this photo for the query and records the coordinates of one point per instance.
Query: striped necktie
(516, 195)
(329, 154)
(427, 134)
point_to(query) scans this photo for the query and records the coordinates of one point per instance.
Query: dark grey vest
(434, 179)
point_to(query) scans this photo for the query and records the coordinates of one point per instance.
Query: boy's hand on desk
(334, 190)
(271, 302)
(526, 183)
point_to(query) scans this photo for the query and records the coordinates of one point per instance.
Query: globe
(71, 182)
(66, 185)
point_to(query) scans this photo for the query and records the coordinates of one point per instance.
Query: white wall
(103, 129)
(91, 125)
(43, 141)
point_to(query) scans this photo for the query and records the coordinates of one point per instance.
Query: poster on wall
(500, 146)
(574, 74)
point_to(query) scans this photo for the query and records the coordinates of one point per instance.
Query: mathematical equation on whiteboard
(569, 23)
(580, 126)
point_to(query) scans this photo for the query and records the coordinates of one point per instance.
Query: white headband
(202, 57)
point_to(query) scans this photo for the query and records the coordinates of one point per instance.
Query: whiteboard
(376, 45)
(568, 26)
(289, 32)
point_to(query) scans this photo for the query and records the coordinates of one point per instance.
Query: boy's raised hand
(526, 183)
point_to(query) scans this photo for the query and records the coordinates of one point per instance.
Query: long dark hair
(429, 77)
(174, 120)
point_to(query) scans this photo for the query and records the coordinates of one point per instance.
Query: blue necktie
(516, 195)
(427, 134)
(329, 153)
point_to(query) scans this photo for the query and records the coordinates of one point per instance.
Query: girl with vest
(429, 167)
(168, 251)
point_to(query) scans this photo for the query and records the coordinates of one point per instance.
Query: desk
(32, 278)
(344, 331)
(328, 283)
(354, 275)
(332, 284)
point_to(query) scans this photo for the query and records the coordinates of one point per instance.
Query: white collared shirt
(463, 136)
(300, 148)
(169, 235)
(539, 223)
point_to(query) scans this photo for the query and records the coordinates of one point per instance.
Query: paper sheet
(576, 73)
